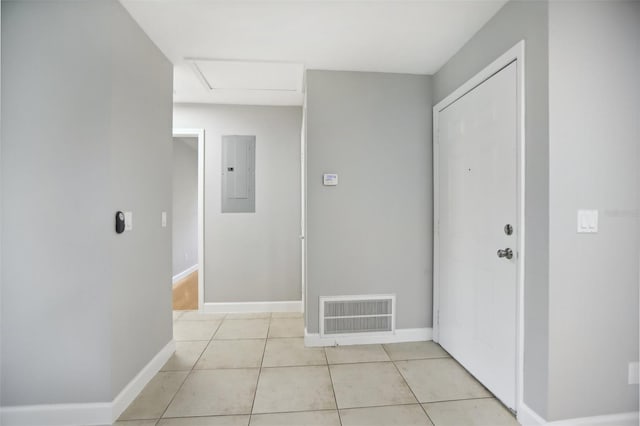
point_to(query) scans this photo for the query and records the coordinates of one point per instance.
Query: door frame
(198, 133)
(515, 54)
(303, 207)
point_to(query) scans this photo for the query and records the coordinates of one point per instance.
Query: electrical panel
(238, 174)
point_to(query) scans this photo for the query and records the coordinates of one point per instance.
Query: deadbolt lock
(508, 229)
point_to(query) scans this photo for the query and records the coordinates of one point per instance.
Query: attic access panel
(238, 174)
(249, 75)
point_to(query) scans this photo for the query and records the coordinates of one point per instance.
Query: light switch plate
(329, 179)
(164, 219)
(128, 221)
(587, 221)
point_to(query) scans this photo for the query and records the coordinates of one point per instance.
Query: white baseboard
(528, 417)
(184, 273)
(57, 414)
(248, 307)
(621, 419)
(400, 335)
(135, 386)
(98, 413)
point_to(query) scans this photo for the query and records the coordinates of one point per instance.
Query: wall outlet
(634, 373)
(163, 219)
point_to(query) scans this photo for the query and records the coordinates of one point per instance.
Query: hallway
(185, 293)
(240, 369)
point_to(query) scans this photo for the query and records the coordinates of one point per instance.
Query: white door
(477, 200)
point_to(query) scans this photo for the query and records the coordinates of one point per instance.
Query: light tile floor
(253, 369)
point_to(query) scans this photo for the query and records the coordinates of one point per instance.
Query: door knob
(508, 253)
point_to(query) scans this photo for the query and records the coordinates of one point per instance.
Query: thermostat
(330, 179)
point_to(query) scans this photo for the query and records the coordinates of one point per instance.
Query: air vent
(357, 314)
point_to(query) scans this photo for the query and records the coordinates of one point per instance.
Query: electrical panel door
(238, 174)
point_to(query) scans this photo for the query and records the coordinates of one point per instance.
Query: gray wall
(520, 20)
(140, 176)
(373, 232)
(251, 257)
(52, 100)
(185, 204)
(82, 309)
(594, 116)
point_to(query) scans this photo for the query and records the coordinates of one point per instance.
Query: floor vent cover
(357, 314)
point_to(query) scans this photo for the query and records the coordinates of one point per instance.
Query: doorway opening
(187, 222)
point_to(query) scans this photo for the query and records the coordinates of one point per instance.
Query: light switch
(128, 221)
(164, 219)
(587, 221)
(329, 179)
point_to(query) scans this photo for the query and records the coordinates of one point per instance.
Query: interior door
(477, 205)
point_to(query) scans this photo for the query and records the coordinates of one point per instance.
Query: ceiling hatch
(218, 74)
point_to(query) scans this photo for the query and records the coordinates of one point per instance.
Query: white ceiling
(400, 36)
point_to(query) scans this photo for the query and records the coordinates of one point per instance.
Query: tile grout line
(377, 362)
(461, 399)
(190, 371)
(264, 350)
(405, 381)
(421, 404)
(413, 393)
(333, 389)
(328, 409)
(404, 404)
